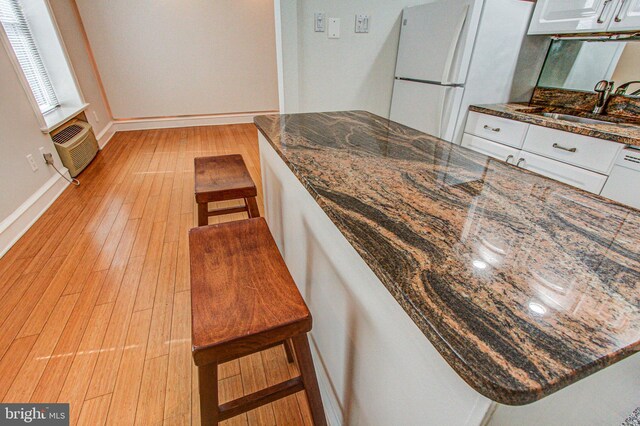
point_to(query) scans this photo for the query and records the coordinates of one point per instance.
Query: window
(23, 44)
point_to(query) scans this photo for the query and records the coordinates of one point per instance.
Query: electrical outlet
(95, 115)
(318, 22)
(32, 162)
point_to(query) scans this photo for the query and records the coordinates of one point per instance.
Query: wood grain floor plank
(104, 375)
(151, 270)
(230, 389)
(94, 411)
(178, 395)
(253, 380)
(13, 361)
(77, 381)
(54, 375)
(150, 410)
(27, 379)
(124, 399)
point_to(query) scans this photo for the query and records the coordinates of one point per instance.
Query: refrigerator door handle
(443, 101)
(454, 46)
(444, 111)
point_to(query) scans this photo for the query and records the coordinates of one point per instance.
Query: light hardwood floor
(95, 302)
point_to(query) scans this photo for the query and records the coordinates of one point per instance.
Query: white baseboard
(18, 222)
(186, 121)
(105, 135)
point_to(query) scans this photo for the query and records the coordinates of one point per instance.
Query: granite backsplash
(618, 106)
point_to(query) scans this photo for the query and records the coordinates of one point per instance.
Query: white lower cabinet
(490, 148)
(571, 175)
(577, 160)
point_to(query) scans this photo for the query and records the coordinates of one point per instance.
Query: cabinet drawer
(583, 151)
(571, 175)
(497, 129)
(492, 149)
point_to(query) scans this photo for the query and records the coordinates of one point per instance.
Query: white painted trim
(277, 8)
(18, 222)
(61, 115)
(186, 121)
(105, 135)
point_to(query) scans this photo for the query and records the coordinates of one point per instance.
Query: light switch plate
(318, 23)
(362, 23)
(334, 27)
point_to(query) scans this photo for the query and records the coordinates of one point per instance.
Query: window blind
(17, 29)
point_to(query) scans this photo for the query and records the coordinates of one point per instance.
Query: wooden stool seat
(244, 300)
(222, 178)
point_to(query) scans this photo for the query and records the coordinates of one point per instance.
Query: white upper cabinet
(585, 16)
(626, 17)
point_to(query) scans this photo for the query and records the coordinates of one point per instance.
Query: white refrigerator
(453, 53)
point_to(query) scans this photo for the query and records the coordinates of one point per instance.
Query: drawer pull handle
(522, 160)
(604, 8)
(510, 157)
(618, 18)
(564, 148)
(493, 129)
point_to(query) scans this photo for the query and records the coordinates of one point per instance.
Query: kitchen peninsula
(448, 287)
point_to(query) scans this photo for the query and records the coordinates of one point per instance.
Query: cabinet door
(571, 175)
(492, 149)
(626, 17)
(572, 16)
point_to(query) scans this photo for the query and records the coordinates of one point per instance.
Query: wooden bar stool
(243, 300)
(223, 178)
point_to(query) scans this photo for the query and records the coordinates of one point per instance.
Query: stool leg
(252, 207)
(208, 387)
(288, 350)
(308, 373)
(203, 214)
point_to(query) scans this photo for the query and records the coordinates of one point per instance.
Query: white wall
(175, 58)
(71, 31)
(20, 135)
(353, 72)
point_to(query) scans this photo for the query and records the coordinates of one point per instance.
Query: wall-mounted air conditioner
(76, 145)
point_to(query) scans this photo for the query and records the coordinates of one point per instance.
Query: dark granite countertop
(523, 284)
(626, 132)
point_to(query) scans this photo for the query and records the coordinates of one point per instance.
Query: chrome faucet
(603, 88)
(622, 89)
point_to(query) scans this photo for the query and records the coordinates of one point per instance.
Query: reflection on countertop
(523, 284)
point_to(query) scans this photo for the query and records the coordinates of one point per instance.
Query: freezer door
(432, 41)
(430, 108)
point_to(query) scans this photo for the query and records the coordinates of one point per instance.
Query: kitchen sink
(581, 120)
